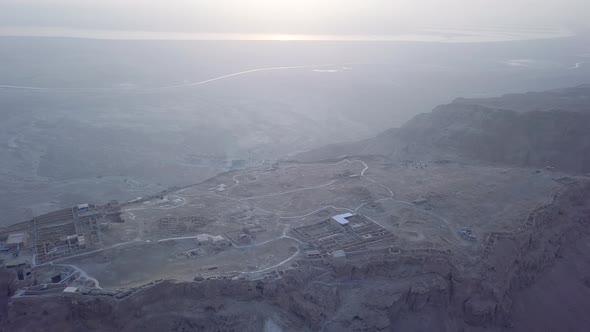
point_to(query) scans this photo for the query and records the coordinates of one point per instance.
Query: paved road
(165, 87)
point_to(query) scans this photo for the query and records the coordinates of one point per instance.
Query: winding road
(165, 87)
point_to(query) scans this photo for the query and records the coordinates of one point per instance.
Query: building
(83, 207)
(338, 254)
(313, 254)
(216, 240)
(70, 289)
(338, 257)
(342, 219)
(16, 240)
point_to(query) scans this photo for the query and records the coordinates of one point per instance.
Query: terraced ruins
(430, 226)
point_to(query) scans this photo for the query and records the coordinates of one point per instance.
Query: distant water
(421, 35)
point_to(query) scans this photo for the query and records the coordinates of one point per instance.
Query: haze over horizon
(286, 20)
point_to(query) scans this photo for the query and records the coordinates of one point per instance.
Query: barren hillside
(528, 130)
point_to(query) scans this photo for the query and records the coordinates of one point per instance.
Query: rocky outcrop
(485, 131)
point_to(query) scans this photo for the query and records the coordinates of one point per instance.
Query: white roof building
(70, 289)
(341, 218)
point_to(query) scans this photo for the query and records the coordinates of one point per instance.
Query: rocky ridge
(489, 131)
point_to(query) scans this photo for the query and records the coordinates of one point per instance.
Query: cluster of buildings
(341, 236)
(56, 234)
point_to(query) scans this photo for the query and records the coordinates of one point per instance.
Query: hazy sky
(291, 16)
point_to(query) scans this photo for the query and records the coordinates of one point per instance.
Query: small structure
(338, 254)
(203, 238)
(83, 207)
(16, 240)
(338, 257)
(313, 254)
(342, 218)
(82, 241)
(70, 289)
(217, 240)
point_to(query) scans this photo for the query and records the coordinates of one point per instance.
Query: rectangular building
(16, 240)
